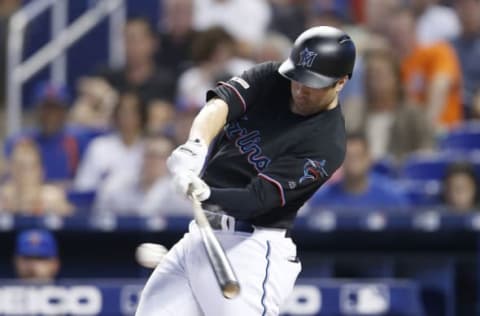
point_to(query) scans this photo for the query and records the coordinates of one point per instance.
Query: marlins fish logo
(313, 170)
(306, 58)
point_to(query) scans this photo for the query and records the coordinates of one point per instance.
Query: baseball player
(262, 145)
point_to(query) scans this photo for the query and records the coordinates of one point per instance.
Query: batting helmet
(320, 56)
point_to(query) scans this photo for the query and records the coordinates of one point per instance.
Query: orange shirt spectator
(422, 67)
(431, 74)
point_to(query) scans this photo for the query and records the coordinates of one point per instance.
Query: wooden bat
(216, 254)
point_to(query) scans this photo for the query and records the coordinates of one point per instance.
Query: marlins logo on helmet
(306, 58)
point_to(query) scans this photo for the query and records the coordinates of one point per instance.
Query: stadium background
(394, 233)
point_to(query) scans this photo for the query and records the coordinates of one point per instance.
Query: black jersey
(268, 161)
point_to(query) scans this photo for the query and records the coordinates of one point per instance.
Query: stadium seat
(386, 167)
(422, 193)
(426, 167)
(465, 137)
(81, 200)
(421, 175)
(432, 166)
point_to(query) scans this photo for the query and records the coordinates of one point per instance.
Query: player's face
(308, 101)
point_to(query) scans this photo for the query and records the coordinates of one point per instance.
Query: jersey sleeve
(296, 179)
(240, 92)
(289, 180)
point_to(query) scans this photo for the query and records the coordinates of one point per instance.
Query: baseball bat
(216, 254)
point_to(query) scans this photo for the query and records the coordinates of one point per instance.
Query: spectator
(460, 188)
(176, 36)
(359, 189)
(353, 98)
(467, 46)
(183, 121)
(245, 20)
(141, 73)
(332, 13)
(94, 104)
(377, 13)
(392, 127)
(160, 117)
(431, 74)
(475, 115)
(337, 14)
(59, 147)
(122, 149)
(288, 17)
(148, 192)
(25, 191)
(212, 50)
(275, 46)
(7, 8)
(36, 256)
(434, 22)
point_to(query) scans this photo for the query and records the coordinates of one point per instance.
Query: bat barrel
(221, 266)
(231, 289)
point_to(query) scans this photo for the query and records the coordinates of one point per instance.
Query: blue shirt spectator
(59, 152)
(359, 188)
(379, 194)
(58, 147)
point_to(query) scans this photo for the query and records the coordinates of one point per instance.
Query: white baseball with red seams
(149, 255)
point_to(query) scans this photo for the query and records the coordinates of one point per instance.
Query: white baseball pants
(183, 284)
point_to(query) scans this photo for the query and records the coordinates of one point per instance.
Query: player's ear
(340, 83)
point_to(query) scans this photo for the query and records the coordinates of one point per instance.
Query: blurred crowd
(101, 145)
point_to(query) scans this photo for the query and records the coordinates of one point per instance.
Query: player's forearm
(210, 121)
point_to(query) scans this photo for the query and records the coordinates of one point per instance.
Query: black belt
(224, 222)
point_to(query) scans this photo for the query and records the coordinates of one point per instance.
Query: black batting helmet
(320, 56)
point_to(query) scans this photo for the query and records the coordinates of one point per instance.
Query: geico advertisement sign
(304, 300)
(87, 300)
(50, 300)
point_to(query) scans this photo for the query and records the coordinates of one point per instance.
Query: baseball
(149, 255)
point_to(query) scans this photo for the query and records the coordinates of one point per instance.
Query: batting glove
(191, 185)
(188, 157)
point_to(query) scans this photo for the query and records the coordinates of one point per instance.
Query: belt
(224, 222)
(228, 223)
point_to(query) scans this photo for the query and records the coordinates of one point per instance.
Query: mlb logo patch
(364, 299)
